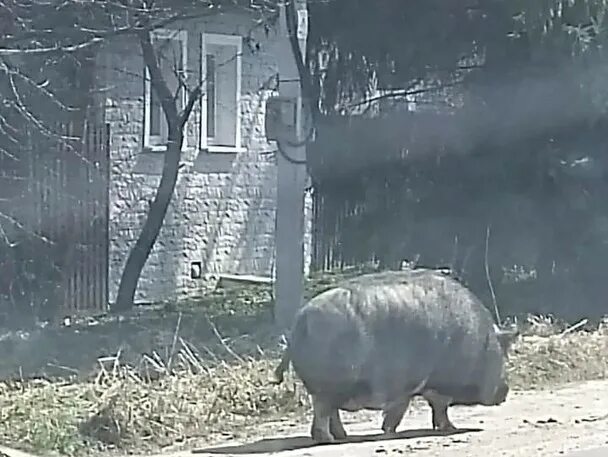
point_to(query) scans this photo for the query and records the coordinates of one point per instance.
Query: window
(221, 73)
(171, 49)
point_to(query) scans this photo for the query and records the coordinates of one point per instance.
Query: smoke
(494, 114)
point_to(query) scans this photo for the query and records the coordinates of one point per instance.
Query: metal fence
(54, 224)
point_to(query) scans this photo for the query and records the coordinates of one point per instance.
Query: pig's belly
(380, 401)
(364, 402)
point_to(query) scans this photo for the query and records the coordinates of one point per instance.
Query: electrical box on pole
(281, 118)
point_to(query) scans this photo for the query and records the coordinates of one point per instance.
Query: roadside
(548, 423)
(544, 423)
(197, 374)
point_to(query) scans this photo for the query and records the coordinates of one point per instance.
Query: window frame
(221, 39)
(149, 142)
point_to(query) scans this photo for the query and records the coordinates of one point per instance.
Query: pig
(377, 340)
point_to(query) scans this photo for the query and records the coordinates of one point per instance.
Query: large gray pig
(376, 341)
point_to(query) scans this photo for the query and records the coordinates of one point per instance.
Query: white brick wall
(223, 210)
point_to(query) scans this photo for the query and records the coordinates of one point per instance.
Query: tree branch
(99, 35)
(157, 80)
(10, 71)
(404, 93)
(194, 95)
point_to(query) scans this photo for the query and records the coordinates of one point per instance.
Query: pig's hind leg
(439, 405)
(336, 427)
(321, 422)
(393, 415)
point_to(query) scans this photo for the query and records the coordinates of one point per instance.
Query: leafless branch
(50, 49)
(99, 35)
(404, 93)
(22, 108)
(7, 129)
(13, 72)
(487, 268)
(18, 224)
(194, 95)
(11, 156)
(156, 77)
(7, 241)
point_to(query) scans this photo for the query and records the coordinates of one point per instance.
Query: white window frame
(153, 142)
(221, 40)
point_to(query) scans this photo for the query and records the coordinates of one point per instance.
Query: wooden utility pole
(285, 122)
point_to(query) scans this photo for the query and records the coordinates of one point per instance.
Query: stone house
(222, 216)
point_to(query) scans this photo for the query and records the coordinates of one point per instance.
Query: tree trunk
(154, 221)
(176, 122)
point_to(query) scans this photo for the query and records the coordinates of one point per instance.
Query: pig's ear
(506, 338)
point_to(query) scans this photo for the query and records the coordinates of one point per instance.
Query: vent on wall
(196, 269)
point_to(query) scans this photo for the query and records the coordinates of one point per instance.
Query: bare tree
(176, 121)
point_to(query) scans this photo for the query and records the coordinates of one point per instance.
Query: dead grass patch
(123, 408)
(551, 352)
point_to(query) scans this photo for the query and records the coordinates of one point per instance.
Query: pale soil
(546, 423)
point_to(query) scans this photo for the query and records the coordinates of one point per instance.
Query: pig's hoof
(389, 431)
(321, 437)
(339, 435)
(446, 427)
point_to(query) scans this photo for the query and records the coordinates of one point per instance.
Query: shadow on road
(292, 443)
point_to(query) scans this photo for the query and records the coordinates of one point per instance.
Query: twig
(465, 260)
(20, 226)
(152, 361)
(259, 350)
(134, 376)
(223, 343)
(576, 326)
(175, 336)
(116, 364)
(559, 363)
(211, 354)
(188, 352)
(405, 93)
(64, 368)
(159, 361)
(21, 380)
(212, 407)
(103, 372)
(189, 360)
(487, 268)
(454, 254)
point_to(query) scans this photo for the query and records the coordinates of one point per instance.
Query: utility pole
(286, 123)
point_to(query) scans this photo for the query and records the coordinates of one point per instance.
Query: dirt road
(548, 423)
(595, 452)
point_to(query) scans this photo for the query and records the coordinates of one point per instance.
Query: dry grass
(132, 408)
(550, 353)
